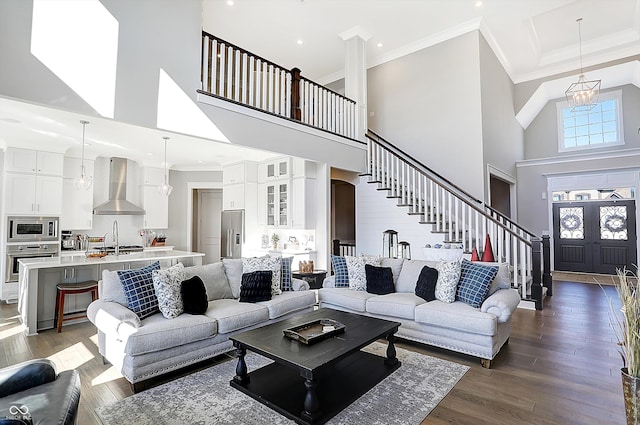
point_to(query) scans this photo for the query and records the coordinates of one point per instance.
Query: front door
(594, 236)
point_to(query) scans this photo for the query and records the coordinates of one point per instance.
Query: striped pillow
(340, 271)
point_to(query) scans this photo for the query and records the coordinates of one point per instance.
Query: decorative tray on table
(314, 331)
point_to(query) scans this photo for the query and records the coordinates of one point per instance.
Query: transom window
(599, 127)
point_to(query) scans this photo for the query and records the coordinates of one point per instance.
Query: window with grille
(599, 127)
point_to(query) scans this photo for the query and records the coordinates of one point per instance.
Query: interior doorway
(207, 210)
(343, 211)
(500, 195)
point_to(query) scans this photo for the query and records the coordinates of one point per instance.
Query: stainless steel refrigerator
(232, 235)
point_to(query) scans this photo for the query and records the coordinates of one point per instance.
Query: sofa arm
(25, 375)
(329, 282)
(109, 316)
(299, 284)
(501, 304)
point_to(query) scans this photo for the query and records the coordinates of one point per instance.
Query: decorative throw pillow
(340, 271)
(194, 295)
(502, 279)
(111, 288)
(233, 270)
(448, 276)
(355, 267)
(167, 285)
(256, 286)
(475, 280)
(285, 273)
(379, 280)
(426, 284)
(396, 265)
(264, 263)
(214, 278)
(139, 291)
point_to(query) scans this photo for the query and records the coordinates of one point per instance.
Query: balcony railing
(234, 74)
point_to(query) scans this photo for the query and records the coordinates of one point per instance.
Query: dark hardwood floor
(561, 366)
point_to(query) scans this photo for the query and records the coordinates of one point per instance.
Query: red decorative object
(474, 255)
(487, 255)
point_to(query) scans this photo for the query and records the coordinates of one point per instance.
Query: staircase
(460, 218)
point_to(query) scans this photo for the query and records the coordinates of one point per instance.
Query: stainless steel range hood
(117, 203)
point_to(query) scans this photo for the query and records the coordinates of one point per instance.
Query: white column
(355, 74)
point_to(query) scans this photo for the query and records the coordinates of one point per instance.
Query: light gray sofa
(456, 326)
(147, 348)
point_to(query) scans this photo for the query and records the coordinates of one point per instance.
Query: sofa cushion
(340, 271)
(265, 263)
(194, 295)
(502, 279)
(233, 270)
(426, 285)
(256, 286)
(357, 275)
(233, 315)
(345, 297)
(214, 278)
(110, 288)
(396, 266)
(167, 286)
(288, 302)
(458, 316)
(398, 304)
(158, 333)
(474, 283)
(379, 280)
(139, 291)
(409, 275)
(448, 276)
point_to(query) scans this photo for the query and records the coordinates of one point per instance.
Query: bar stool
(64, 289)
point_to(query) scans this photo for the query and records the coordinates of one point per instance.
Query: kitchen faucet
(114, 231)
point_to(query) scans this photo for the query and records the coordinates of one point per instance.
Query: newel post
(296, 113)
(536, 273)
(546, 262)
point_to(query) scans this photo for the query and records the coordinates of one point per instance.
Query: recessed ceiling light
(229, 2)
(299, 42)
(149, 154)
(478, 3)
(379, 44)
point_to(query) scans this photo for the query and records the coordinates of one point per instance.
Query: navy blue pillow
(379, 280)
(426, 284)
(256, 286)
(194, 295)
(340, 271)
(139, 291)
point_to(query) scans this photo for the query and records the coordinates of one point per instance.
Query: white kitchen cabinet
(277, 169)
(155, 204)
(303, 203)
(32, 161)
(241, 172)
(77, 208)
(33, 194)
(239, 186)
(278, 203)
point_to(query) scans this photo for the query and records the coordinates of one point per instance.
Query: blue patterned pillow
(285, 273)
(139, 291)
(475, 280)
(340, 271)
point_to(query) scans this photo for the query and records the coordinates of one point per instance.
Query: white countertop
(73, 252)
(81, 260)
(284, 251)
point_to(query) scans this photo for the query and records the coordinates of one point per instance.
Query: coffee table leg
(311, 410)
(241, 368)
(391, 351)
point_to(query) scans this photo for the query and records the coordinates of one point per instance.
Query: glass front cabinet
(278, 202)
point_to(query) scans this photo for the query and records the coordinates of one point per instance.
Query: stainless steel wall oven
(17, 252)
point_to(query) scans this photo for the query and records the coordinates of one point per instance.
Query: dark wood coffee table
(312, 383)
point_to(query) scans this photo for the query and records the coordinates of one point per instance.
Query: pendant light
(165, 188)
(83, 182)
(582, 95)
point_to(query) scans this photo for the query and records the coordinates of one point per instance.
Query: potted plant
(274, 240)
(626, 325)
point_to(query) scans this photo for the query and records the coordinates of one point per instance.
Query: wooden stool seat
(64, 289)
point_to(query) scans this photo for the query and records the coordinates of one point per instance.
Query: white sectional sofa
(454, 326)
(155, 345)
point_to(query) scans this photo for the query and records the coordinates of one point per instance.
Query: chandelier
(582, 95)
(83, 182)
(165, 188)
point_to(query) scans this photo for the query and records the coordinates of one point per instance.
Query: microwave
(32, 229)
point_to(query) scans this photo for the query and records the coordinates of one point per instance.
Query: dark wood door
(594, 236)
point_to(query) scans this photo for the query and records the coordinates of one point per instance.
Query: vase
(631, 391)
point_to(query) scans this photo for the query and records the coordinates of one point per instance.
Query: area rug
(205, 397)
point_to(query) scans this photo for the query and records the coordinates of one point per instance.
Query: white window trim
(615, 95)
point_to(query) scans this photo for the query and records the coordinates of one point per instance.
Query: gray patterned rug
(202, 398)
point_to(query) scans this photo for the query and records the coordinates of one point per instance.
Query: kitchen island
(39, 277)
